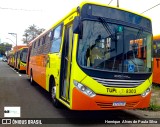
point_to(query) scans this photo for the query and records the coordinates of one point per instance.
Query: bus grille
(103, 105)
(119, 83)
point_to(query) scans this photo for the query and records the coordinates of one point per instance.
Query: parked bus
(21, 59)
(96, 58)
(10, 58)
(156, 59)
(16, 54)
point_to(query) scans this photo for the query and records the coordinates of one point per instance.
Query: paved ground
(15, 90)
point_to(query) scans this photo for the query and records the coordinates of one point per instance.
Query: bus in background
(92, 59)
(156, 59)
(21, 59)
(15, 50)
(10, 58)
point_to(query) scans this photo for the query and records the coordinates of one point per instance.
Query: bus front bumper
(80, 101)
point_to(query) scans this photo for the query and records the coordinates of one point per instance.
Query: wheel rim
(31, 79)
(53, 93)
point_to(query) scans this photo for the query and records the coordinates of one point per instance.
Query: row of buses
(18, 57)
(97, 57)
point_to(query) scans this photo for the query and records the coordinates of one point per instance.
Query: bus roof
(16, 48)
(75, 10)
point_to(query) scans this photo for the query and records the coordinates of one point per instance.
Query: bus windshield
(156, 48)
(113, 47)
(23, 56)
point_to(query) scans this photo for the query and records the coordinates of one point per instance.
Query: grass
(154, 107)
(155, 98)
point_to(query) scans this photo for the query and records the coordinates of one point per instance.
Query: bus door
(28, 59)
(66, 64)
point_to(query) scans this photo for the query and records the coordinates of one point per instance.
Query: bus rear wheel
(54, 100)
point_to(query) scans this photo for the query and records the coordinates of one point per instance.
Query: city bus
(156, 59)
(97, 57)
(16, 55)
(10, 58)
(21, 59)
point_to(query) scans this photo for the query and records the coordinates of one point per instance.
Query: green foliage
(31, 32)
(4, 47)
(154, 107)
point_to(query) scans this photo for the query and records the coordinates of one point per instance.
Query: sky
(18, 15)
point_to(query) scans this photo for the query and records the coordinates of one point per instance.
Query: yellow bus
(90, 59)
(10, 58)
(18, 51)
(21, 59)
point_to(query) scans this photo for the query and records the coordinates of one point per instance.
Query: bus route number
(130, 90)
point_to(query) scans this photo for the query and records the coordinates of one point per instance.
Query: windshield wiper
(106, 26)
(139, 33)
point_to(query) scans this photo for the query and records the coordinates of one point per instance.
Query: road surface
(34, 103)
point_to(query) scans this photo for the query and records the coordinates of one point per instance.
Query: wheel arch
(51, 80)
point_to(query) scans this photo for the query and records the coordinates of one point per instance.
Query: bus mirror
(76, 25)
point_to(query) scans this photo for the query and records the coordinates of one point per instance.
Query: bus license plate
(119, 103)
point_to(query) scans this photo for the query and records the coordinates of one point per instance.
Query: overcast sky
(18, 15)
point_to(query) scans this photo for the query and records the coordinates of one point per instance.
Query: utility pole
(117, 3)
(15, 35)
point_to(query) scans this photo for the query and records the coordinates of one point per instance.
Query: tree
(31, 32)
(5, 47)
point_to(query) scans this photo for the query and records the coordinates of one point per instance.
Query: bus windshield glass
(156, 48)
(113, 47)
(23, 56)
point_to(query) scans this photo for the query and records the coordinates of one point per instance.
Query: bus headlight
(84, 89)
(146, 92)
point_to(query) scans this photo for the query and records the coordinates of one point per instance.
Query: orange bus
(156, 59)
(97, 57)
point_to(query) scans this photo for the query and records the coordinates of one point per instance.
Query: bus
(21, 59)
(16, 55)
(97, 57)
(156, 59)
(10, 58)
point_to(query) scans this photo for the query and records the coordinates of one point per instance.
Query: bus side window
(33, 48)
(56, 42)
(36, 47)
(40, 51)
(47, 43)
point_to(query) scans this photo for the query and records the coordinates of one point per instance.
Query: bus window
(56, 42)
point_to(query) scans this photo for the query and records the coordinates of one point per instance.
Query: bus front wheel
(55, 102)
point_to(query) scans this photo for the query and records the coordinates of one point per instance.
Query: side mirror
(77, 25)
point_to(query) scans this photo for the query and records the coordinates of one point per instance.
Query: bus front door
(66, 64)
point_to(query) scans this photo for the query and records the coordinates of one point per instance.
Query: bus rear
(111, 63)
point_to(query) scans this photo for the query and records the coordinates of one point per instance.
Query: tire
(31, 78)
(54, 100)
